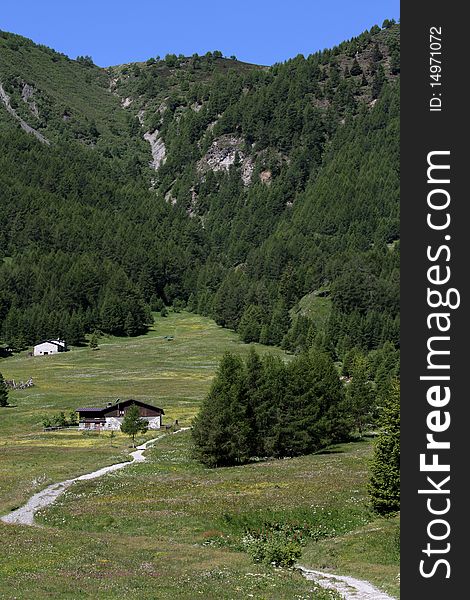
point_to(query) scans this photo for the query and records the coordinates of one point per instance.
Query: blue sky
(258, 31)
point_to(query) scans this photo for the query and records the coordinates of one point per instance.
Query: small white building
(49, 347)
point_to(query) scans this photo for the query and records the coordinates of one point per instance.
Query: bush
(273, 548)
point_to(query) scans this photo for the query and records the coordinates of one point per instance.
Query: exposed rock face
(27, 92)
(221, 156)
(170, 199)
(158, 148)
(126, 102)
(247, 170)
(192, 209)
(266, 177)
(27, 97)
(5, 98)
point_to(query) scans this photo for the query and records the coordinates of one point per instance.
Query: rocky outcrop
(266, 177)
(158, 148)
(169, 198)
(5, 98)
(27, 96)
(222, 155)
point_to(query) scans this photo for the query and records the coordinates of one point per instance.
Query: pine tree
(250, 324)
(295, 339)
(93, 343)
(313, 411)
(253, 382)
(132, 423)
(355, 68)
(376, 54)
(130, 325)
(395, 61)
(221, 431)
(280, 322)
(378, 81)
(156, 303)
(359, 396)
(384, 485)
(264, 334)
(3, 392)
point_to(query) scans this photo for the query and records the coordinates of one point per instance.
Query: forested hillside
(265, 197)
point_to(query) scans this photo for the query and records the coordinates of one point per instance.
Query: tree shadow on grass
(330, 450)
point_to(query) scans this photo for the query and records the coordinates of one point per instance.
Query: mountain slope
(234, 188)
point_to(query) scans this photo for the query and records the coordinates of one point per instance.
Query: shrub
(277, 545)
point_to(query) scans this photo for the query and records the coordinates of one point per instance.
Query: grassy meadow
(169, 528)
(174, 375)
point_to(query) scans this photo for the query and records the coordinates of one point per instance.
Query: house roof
(121, 403)
(55, 342)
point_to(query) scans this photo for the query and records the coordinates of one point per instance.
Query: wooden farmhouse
(49, 347)
(110, 417)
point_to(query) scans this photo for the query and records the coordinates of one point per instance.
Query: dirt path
(349, 587)
(25, 514)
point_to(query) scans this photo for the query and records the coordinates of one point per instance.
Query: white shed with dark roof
(49, 347)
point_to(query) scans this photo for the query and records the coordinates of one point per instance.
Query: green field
(174, 375)
(168, 528)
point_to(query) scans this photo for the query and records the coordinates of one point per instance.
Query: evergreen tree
(355, 68)
(264, 334)
(359, 395)
(73, 418)
(268, 406)
(295, 339)
(250, 324)
(132, 423)
(376, 54)
(280, 322)
(130, 325)
(378, 81)
(384, 485)
(3, 392)
(156, 303)
(313, 411)
(93, 343)
(220, 431)
(395, 60)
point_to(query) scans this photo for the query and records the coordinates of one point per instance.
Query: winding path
(25, 514)
(349, 587)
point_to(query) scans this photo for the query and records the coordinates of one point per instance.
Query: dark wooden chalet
(110, 417)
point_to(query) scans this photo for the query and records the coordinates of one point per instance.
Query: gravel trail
(25, 514)
(349, 587)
